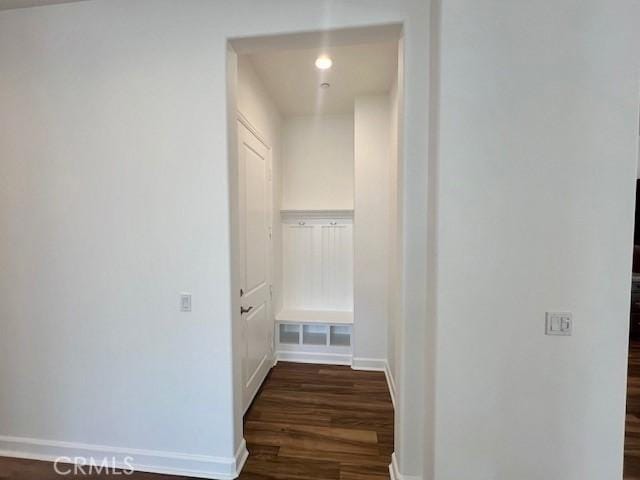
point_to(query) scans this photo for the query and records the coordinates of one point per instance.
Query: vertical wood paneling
(336, 289)
(318, 265)
(298, 243)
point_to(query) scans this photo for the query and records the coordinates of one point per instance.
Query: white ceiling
(10, 4)
(294, 82)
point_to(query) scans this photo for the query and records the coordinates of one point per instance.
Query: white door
(255, 249)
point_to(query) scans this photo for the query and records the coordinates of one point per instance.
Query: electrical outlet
(559, 323)
(185, 302)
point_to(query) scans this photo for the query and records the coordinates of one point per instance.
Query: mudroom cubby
(316, 320)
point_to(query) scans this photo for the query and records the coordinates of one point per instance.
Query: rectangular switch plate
(185, 302)
(559, 323)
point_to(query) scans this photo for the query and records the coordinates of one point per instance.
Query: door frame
(418, 165)
(241, 118)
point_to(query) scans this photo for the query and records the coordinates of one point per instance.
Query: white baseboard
(394, 471)
(314, 357)
(240, 458)
(391, 382)
(377, 365)
(374, 364)
(152, 461)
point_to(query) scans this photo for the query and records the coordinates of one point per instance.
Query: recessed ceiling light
(325, 85)
(323, 62)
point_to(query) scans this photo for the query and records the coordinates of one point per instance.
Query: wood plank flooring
(316, 422)
(632, 434)
(319, 422)
(308, 422)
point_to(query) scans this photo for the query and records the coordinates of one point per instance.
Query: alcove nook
(318, 172)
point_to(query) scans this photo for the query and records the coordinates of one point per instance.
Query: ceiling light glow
(323, 62)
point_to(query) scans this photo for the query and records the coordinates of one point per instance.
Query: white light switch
(185, 302)
(559, 323)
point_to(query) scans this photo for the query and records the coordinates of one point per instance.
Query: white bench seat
(327, 317)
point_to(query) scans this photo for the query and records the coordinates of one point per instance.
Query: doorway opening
(316, 168)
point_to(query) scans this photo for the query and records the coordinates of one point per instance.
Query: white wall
(114, 200)
(395, 230)
(318, 162)
(257, 106)
(115, 197)
(538, 151)
(371, 229)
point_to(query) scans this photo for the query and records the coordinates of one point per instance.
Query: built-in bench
(316, 323)
(323, 336)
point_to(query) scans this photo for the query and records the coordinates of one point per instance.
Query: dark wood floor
(632, 435)
(318, 422)
(309, 422)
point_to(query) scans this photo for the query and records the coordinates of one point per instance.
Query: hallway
(320, 422)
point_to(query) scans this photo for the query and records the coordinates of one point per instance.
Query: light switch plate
(185, 302)
(559, 323)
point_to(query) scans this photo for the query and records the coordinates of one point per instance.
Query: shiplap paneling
(317, 262)
(336, 265)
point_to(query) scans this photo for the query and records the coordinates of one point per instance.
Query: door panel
(257, 349)
(257, 222)
(255, 251)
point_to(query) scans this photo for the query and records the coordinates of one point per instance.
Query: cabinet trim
(316, 214)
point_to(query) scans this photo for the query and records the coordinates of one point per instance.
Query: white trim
(258, 377)
(241, 457)
(390, 382)
(388, 31)
(394, 471)
(316, 214)
(375, 364)
(152, 461)
(247, 123)
(319, 357)
(328, 317)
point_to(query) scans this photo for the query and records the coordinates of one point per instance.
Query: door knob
(245, 310)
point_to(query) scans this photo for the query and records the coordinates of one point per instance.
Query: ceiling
(293, 81)
(10, 4)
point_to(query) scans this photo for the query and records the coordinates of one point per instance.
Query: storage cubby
(289, 334)
(315, 341)
(314, 334)
(340, 335)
